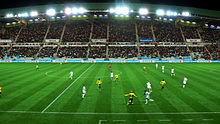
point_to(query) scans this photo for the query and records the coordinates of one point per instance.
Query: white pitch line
(100, 121)
(205, 119)
(65, 89)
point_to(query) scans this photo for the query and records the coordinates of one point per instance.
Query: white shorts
(149, 87)
(184, 82)
(84, 92)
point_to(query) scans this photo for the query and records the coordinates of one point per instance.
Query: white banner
(5, 41)
(52, 40)
(98, 40)
(193, 40)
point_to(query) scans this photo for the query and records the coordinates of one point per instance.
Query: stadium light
(33, 13)
(23, 15)
(171, 13)
(82, 10)
(68, 11)
(51, 12)
(9, 15)
(185, 14)
(120, 10)
(78, 10)
(143, 11)
(111, 10)
(160, 12)
(74, 10)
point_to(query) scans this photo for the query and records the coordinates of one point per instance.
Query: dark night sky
(214, 5)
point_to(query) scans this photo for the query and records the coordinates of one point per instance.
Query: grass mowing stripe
(180, 95)
(58, 85)
(103, 106)
(117, 97)
(19, 97)
(15, 77)
(197, 106)
(191, 99)
(42, 92)
(200, 72)
(154, 76)
(64, 84)
(167, 95)
(89, 102)
(65, 89)
(24, 81)
(128, 86)
(72, 99)
(203, 95)
(112, 113)
(200, 81)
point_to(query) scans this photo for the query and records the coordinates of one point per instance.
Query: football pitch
(48, 96)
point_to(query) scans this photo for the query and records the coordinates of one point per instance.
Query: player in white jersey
(111, 75)
(184, 81)
(156, 65)
(147, 96)
(172, 72)
(149, 86)
(84, 91)
(163, 67)
(71, 75)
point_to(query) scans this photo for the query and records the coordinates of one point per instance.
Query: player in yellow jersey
(99, 82)
(144, 68)
(37, 67)
(0, 91)
(162, 84)
(131, 96)
(116, 78)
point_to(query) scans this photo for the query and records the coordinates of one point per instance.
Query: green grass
(27, 92)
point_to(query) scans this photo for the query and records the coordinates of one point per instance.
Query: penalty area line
(65, 89)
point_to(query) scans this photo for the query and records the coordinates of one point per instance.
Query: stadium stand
(122, 39)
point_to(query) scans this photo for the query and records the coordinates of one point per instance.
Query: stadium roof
(101, 6)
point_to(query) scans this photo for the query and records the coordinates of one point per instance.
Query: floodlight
(33, 13)
(81, 10)
(51, 12)
(185, 14)
(112, 10)
(160, 12)
(9, 15)
(124, 10)
(68, 11)
(171, 13)
(23, 15)
(74, 10)
(143, 11)
(121, 10)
